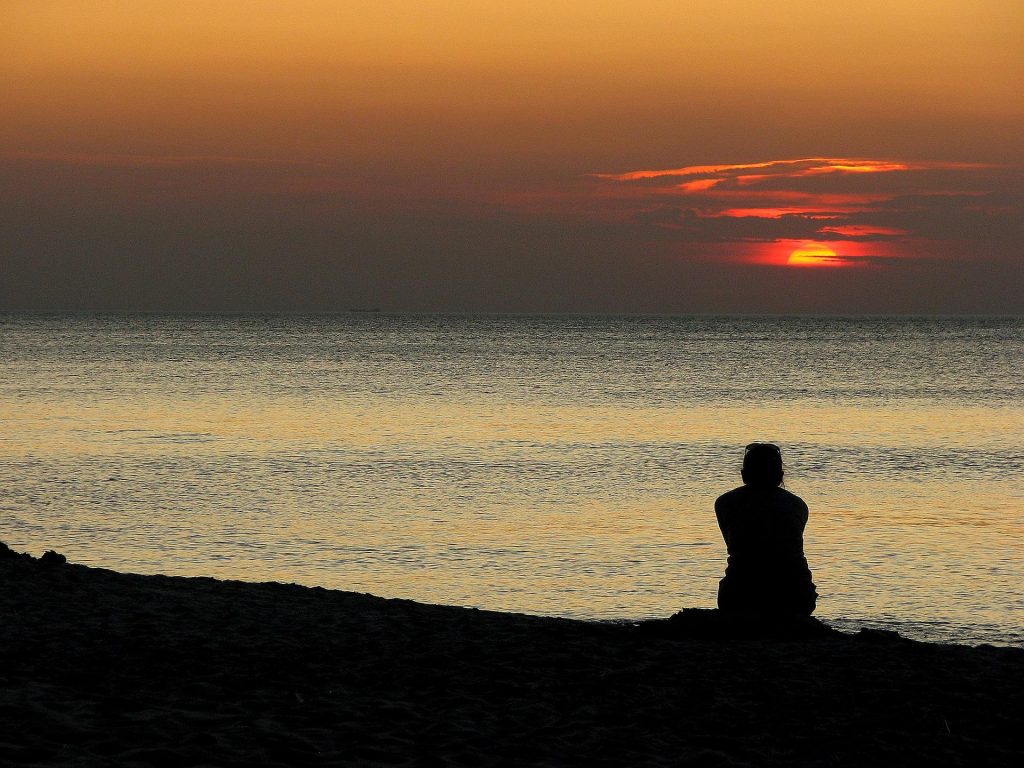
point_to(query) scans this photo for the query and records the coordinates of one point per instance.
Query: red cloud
(787, 202)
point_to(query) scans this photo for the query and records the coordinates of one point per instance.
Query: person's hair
(762, 465)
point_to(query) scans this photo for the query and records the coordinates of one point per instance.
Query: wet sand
(104, 668)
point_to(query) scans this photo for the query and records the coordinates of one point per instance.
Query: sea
(561, 465)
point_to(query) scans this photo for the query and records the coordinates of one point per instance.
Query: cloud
(865, 231)
(108, 160)
(808, 166)
(899, 206)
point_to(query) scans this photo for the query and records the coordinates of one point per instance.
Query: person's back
(763, 526)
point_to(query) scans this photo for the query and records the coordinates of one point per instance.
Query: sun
(813, 255)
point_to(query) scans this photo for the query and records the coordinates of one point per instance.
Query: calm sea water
(553, 465)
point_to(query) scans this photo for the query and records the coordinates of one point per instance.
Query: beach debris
(6, 553)
(50, 557)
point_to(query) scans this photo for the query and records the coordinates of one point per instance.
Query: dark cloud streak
(247, 237)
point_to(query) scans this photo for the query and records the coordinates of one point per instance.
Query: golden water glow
(591, 533)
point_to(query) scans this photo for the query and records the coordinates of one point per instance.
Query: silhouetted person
(763, 526)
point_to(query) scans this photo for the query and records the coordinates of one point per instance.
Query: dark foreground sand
(103, 668)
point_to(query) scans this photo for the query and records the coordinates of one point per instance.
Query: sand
(105, 668)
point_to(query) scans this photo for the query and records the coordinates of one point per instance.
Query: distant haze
(606, 156)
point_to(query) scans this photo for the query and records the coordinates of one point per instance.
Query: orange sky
(377, 133)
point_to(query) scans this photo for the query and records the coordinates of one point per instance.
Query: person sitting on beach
(763, 526)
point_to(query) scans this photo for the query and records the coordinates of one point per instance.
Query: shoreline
(103, 667)
(924, 631)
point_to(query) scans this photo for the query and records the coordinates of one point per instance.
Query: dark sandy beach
(104, 668)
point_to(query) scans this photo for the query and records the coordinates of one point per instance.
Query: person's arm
(722, 515)
(803, 513)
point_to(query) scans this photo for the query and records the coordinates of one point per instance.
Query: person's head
(762, 465)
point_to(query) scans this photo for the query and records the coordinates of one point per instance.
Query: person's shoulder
(793, 500)
(730, 498)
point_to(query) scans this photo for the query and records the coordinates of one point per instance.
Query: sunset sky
(596, 155)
